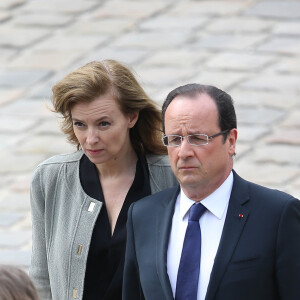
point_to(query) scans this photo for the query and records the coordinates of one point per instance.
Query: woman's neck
(123, 164)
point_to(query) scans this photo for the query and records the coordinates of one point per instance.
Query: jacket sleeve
(39, 266)
(131, 281)
(288, 251)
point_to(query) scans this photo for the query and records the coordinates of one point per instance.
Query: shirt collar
(216, 202)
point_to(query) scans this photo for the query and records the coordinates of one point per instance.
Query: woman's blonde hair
(15, 284)
(109, 76)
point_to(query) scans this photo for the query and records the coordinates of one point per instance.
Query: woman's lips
(92, 152)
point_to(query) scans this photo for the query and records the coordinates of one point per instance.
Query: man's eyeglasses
(199, 139)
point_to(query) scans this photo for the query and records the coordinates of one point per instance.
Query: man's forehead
(185, 105)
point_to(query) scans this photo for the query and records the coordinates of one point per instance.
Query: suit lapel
(164, 223)
(237, 215)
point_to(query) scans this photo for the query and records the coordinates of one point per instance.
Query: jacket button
(92, 206)
(75, 293)
(79, 249)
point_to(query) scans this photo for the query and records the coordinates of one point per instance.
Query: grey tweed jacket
(63, 218)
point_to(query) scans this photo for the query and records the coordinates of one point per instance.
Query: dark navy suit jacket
(258, 257)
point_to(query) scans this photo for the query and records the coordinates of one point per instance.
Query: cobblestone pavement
(249, 48)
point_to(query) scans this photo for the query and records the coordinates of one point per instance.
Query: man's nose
(185, 149)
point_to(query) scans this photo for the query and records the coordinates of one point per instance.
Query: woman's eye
(78, 124)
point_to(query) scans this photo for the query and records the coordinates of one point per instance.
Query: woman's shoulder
(54, 163)
(63, 158)
(158, 160)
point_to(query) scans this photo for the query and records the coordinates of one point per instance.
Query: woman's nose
(92, 137)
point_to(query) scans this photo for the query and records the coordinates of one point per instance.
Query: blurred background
(249, 48)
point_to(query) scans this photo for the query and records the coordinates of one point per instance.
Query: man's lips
(186, 167)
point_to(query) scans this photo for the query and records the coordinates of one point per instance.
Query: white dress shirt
(211, 224)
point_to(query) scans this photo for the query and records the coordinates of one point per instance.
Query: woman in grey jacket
(79, 201)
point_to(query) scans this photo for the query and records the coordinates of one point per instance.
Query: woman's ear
(133, 117)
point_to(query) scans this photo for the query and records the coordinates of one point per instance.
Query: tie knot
(196, 211)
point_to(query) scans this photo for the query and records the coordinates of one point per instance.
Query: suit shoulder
(263, 194)
(268, 193)
(160, 198)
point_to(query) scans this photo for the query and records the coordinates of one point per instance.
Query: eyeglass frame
(208, 138)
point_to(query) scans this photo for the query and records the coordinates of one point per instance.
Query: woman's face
(102, 129)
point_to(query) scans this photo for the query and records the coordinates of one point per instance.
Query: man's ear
(133, 117)
(232, 138)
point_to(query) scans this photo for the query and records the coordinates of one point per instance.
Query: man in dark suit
(249, 245)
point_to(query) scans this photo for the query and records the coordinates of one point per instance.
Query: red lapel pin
(241, 215)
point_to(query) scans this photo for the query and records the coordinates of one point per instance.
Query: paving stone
(285, 136)
(102, 26)
(241, 149)
(131, 9)
(6, 55)
(239, 24)
(43, 89)
(129, 56)
(280, 82)
(27, 108)
(20, 163)
(9, 124)
(70, 43)
(45, 60)
(250, 134)
(240, 61)
(281, 154)
(287, 65)
(276, 9)
(296, 182)
(228, 41)
(17, 202)
(258, 116)
(42, 20)
(4, 16)
(5, 182)
(7, 95)
(209, 8)
(14, 238)
(221, 79)
(161, 76)
(154, 40)
(49, 127)
(283, 45)
(276, 99)
(45, 144)
(287, 28)
(179, 58)
(21, 78)
(9, 218)
(165, 22)
(18, 185)
(8, 4)
(15, 257)
(11, 36)
(266, 174)
(292, 120)
(56, 6)
(10, 141)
